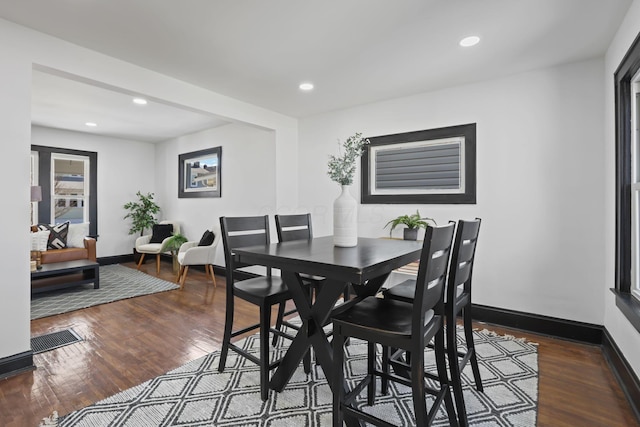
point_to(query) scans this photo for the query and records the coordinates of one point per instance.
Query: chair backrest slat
(432, 274)
(462, 258)
(239, 232)
(294, 227)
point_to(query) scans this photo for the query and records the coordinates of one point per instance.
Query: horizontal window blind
(419, 167)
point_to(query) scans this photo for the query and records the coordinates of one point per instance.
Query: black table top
(369, 259)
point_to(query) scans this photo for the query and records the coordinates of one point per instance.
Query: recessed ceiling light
(469, 41)
(306, 86)
(91, 124)
(140, 101)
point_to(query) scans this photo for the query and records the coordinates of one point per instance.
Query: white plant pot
(345, 220)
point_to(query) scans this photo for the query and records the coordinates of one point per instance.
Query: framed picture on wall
(199, 173)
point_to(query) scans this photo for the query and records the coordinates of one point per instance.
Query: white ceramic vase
(345, 220)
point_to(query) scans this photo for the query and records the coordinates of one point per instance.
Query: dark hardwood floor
(130, 341)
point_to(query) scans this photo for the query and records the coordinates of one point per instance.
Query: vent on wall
(54, 340)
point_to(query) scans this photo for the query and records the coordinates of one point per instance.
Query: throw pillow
(207, 238)
(57, 236)
(77, 233)
(39, 240)
(159, 232)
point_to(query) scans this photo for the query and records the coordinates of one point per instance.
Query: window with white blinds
(429, 166)
(422, 167)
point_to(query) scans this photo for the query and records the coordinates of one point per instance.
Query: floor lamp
(36, 196)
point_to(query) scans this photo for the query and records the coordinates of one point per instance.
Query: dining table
(365, 267)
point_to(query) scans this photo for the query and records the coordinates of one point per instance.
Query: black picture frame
(206, 182)
(468, 131)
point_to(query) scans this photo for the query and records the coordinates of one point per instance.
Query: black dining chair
(458, 300)
(404, 326)
(263, 291)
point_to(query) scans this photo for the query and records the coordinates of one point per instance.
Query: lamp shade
(36, 193)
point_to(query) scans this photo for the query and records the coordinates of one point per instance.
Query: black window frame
(44, 181)
(623, 80)
(468, 131)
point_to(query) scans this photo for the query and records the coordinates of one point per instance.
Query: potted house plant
(413, 223)
(142, 214)
(173, 245)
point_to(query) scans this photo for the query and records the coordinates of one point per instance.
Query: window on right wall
(627, 124)
(427, 166)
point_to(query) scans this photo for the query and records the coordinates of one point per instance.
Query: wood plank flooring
(130, 341)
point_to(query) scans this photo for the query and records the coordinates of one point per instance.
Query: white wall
(21, 49)
(625, 335)
(539, 182)
(15, 294)
(248, 178)
(124, 167)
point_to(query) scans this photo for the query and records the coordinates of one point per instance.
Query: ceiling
(354, 51)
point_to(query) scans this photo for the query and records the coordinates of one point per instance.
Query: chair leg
(183, 277)
(441, 365)
(228, 324)
(338, 378)
(140, 261)
(213, 276)
(371, 366)
(180, 274)
(454, 369)
(468, 334)
(418, 389)
(158, 264)
(386, 355)
(265, 324)
(279, 319)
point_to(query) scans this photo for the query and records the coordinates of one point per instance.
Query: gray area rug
(196, 394)
(116, 282)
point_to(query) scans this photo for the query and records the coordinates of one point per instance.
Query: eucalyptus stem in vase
(345, 208)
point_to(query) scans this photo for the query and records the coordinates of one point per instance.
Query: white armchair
(192, 254)
(144, 245)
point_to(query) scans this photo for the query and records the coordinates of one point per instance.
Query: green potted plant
(173, 245)
(142, 214)
(413, 223)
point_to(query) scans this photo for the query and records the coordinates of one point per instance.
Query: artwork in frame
(199, 173)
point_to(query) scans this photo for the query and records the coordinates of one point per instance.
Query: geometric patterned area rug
(196, 394)
(116, 282)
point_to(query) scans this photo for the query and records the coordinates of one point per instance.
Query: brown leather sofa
(69, 254)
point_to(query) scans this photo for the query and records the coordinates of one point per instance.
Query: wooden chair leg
(179, 274)
(278, 324)
(471, 347)
(441, 366)
(183, 278)
(228, 325)
(454, 370)
(265, 323)
(140, 261)
(158, 264)
(213, 276)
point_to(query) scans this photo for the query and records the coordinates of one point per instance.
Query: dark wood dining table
(365, 266)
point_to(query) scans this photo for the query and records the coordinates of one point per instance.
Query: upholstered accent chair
(199, 253)
(156, 243)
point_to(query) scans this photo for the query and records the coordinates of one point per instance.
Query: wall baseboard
(117, 259)
(622, 371)
(16, 364)
(561, 328)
